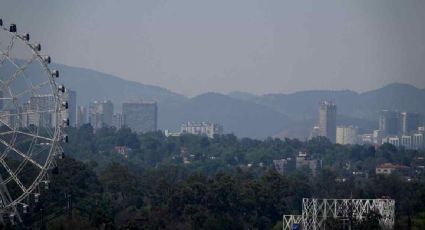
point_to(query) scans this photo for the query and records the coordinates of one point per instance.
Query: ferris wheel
(33, 111)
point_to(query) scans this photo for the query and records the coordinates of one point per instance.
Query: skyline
(197, 114)
(248, 46)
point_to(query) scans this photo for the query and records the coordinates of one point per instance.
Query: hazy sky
(258, 46)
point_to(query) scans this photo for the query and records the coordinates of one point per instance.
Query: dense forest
(116, 179)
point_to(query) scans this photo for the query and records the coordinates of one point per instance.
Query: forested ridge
(193, 182)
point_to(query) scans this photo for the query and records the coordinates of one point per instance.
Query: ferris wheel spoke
(6, 124)
(6, 133)
(14, 177)
(32, 89)
(32, 99)
(20, 70)
(34, 135)
(26, 134)
(12, 41)
(21, 153)
(28, 113)
(7, 52)
(23, 163)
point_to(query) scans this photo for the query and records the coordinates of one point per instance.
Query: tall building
(118, 121)
(100, 114)
(201, 128)
(24, 116)
(40, 111)
(410, 122)
(81, 116)
(346, 135)
(327, 120)
(140, 117)
(6, 119)
(389, 122)
(377, 136)
(406, 141)
(418, 141)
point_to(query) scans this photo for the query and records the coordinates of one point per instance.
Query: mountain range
(244, 114)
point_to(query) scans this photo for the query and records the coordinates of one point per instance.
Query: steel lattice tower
(315, 212)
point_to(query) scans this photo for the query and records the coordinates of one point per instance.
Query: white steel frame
(315, 212)
(51, 140)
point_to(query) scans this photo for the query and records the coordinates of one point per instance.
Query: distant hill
(304, 105)
(401, 97)
(242, 95)
(245, 114)
(245, 119)
(92, 85)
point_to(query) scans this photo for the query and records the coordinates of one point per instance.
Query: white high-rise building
(406, 141)
(346, 135)
(413, 141)
(100, 114)
(418, 141)
(377, 136)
